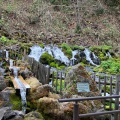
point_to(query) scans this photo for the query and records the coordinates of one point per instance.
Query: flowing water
(108, 54)
(88, 58)
(73, 59)
(54, 51)
(22, 89)
(11, 63)
(7, 54)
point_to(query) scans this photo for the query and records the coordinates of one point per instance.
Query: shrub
(67, 50)
(5, 40)
(46, 58)
(111, 66)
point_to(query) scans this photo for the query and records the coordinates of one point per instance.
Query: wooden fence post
(117, 99)
(76, 111)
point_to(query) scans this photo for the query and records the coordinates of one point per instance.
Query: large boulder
(48, 105)
(13, 115)
(33, 116)
(78, 74)
(37, 89)
(10, 98)
(2, 83)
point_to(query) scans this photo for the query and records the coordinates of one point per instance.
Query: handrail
(76, 114)
(88, 98)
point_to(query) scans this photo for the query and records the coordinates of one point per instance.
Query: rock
(2, 83)
(78, 74)
(13, 115)
(26, 74)
(2, 112)
(40, 91)
(33, 82)
(47, 105)
(10, 98)
(33, 116)
(53, 95)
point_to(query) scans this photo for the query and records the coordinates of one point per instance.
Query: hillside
(87, 23)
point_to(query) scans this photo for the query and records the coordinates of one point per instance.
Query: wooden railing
(116, 112)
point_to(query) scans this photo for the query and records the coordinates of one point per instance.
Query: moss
(77, 47)
(100, 48)
(46, 58)
(16, 102)
(53, 64)
(31, 106)
(67, 50)
(41, 45)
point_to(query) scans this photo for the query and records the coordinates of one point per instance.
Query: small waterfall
(11, 63)
(59, 55)
(72, 60)
(48, 49)
(54, 51)
(22, 89)
(88, 58)
(7, 54)
(36, 52)
(108, 54)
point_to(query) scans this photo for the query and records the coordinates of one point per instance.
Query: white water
(108, 54)
(22, 89)
(94, 56)
(11, 63)
(54, 51)
(87, 53)
(36, 52)
(7, 54)
(72, 60)
(59, 55)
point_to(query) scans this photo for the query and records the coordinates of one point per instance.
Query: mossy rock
(46, 58)
(67, 50)
(34, 115)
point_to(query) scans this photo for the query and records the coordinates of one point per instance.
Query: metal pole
(75, 111)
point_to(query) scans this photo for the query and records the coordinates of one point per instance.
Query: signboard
(83, 87)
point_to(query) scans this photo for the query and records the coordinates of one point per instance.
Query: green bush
(67, 50)
(46, 58)
(5, 40)
(77, 47)
(58, 84)
(111, 66)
